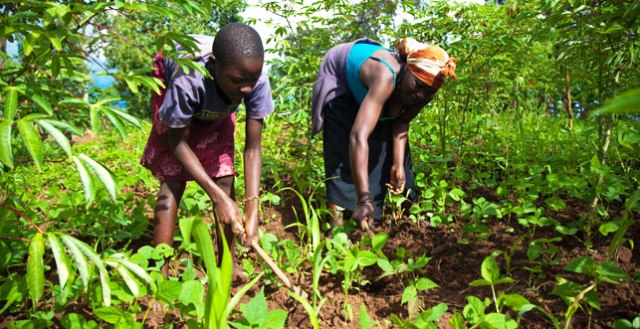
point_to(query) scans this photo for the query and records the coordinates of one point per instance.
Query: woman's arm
(380, 84)
(226, 208)
(252, 174)
(399, 137)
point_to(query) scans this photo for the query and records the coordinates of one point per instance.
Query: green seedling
(255, 314)
(429, 319)
(490, 273)
(474, 313)
(585, 296)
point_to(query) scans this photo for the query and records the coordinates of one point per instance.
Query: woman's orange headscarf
(429, 63)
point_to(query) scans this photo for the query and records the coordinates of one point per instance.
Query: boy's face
(238, 78)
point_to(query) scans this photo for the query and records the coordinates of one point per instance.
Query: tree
(45, 89)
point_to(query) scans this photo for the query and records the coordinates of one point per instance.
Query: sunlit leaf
(78, 259)
(35, 267)
(31, 140)
(62, 261)
(6, 155)
(86, 179)
(10, 103)
(626, 103)
(43, 103)
(103, 174)
(97, 261)
(57, 135)
(364, 318)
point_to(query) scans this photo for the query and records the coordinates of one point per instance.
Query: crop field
(526, 204)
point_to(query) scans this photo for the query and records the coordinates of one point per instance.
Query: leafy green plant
(255, 314)
(429, 319)
(349, 260)
(490, 273)
(474, 313)
(585, 296)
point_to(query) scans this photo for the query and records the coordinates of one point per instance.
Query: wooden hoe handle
(239, 229)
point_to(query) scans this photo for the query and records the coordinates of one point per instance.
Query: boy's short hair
(237, 40)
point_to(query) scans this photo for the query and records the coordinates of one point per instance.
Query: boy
(194, 123)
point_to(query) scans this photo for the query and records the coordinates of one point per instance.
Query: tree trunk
(568, 99)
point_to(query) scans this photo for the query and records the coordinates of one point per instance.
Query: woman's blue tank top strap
(359, 53)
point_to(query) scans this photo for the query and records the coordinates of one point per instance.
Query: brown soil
(453, 265)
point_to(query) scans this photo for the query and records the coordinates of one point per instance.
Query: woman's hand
(364, 214)
(398, 179)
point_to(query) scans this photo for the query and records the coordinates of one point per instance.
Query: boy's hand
(398, 179)
(228, 211)
(250, 221)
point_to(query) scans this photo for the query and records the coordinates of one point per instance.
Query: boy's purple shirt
(331, 81)
(191, 95)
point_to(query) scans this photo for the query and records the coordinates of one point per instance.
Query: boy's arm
(226, 208)
(252, 174)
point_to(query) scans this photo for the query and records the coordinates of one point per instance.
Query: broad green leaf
(489, 269)
(365, 258)
(276, 319)
(78, 259)
(31, 140)
(103, 175)
(385, 266)
(611, 273)
(513, 301)
(73, 321)
(479, 283)
(27, 47)
(55, 41)
(6, 155)
(425, 284)
(35, 267)
(62, 261)
(379, 240)
(10, 103)
(255, 311)
(43, 103)
(193, 293)
(110, 314)
(409, 293)
(498, 321)
(241, 292)
(13, 295)
(474, 310)
(86, 179)
(626, 103)
(169, 291)
(185, 225)
(364, 318)
(435, 313)
(57, 135)
(456, 194)
(583, 265)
